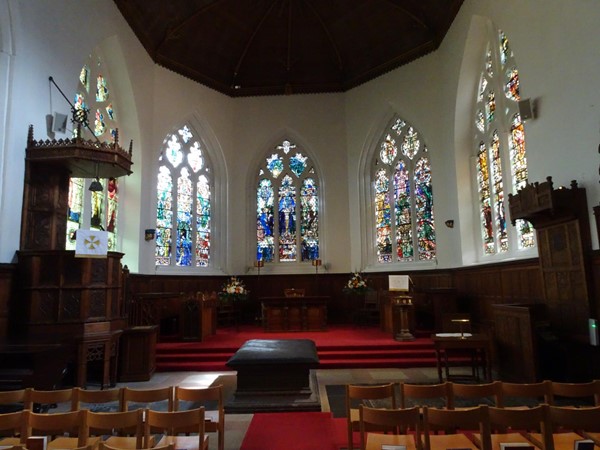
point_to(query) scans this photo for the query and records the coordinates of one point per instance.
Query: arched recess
(463, 136)
(130, 238)
(264, 152)
(6, 56)
(481, 33)
(213, 155)
(407, 169)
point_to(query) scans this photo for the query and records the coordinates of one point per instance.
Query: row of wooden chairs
(448, 394)
(173, 398)
(483, 427)
(121, 430)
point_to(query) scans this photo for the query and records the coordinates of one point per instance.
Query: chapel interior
(294, 147)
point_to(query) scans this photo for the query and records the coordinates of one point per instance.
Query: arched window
(287, 207)
(183, 205)
(404, 220)
(501, 163)
(95, 209)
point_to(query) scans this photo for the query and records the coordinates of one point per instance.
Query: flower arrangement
(357, 284)
(233, 289)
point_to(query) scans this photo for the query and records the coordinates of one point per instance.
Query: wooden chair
(454, 423)
(368, 311)
(413, 394)
(172, 423)
(146, 397)
(564, 394)
(123, 429)
(57, 425)
(207, 397)
(357, 395)
(514, 425)
(12, 401)
(13, 426)
(524, 395)
(40, 401)
(88, 398)
(477, 393)
(572, 424)
(398, 422)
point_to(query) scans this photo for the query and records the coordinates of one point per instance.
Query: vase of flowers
(356, 285)
(233, 290)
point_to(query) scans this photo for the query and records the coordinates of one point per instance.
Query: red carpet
(291, 431)
(340, 347)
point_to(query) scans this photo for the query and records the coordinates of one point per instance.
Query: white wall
(556, 46)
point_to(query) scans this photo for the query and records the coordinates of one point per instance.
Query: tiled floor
(237, 424)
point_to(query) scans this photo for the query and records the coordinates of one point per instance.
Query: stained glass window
(287, 207)
(404, 221)
(96, 210)
(183, 204)
(500, 148)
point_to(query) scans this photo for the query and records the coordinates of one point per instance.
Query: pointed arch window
(404, 218)
(501, 162)
(97, 210)
(287, 207)
(183, 204)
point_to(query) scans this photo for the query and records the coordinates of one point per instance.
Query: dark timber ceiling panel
(270, 47)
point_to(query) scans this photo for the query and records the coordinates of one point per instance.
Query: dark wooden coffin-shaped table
(274, 365)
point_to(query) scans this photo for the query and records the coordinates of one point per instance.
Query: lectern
(399, 287)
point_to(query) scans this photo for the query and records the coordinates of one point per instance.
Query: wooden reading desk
(477, 345)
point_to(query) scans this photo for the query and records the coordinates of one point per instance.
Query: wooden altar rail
(192, 314)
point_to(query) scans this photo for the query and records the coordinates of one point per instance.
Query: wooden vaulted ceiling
(270, 47)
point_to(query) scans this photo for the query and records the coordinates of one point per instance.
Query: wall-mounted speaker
(526, 109)
(59, 123)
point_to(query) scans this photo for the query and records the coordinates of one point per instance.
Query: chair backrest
(530, 419)
(14, 423)
(356, 394)
(567, 392)
(478, 393)
(94, 397)
(199, 395)
(578, 419)
(12, 401)
(123, 423)
(396, 421)
(39, 400)
(458, 420)
(411, 394)
(143, 398)
(71, 423)
(526, 394)
(171, 423)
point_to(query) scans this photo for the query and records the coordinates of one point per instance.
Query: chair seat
(65, 443)
(375, 441)
(127, 442)
(446, 441)
(502, 438)
(183, 442)
(562, 441)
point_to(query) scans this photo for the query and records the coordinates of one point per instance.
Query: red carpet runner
(292, 431)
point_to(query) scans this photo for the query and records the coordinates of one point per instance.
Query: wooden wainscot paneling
(7, 294)
(561, 220)
(516, 343)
